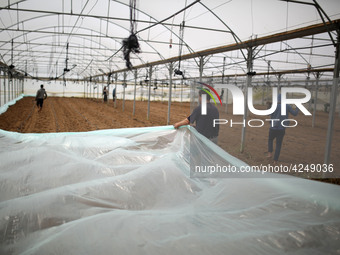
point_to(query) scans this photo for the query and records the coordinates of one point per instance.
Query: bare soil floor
(302, 144)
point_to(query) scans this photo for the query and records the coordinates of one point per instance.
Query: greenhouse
(108, 161)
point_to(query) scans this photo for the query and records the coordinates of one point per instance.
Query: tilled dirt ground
(303, 145)
(77, 115)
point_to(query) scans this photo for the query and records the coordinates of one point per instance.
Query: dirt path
(302, 144)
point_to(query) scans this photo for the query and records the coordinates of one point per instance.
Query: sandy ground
(302, 145)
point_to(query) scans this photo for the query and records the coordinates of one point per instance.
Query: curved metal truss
(34, 35)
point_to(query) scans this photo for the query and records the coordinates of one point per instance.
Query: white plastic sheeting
(129, 191)
(3, 108)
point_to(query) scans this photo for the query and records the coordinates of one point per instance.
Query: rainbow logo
(209, 93)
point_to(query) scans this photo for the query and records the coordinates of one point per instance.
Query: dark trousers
(277, 134)
(40, 102)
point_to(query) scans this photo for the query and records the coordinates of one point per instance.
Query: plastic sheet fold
(129, 191)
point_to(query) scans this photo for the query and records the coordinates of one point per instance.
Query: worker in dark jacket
(204, 123)
(41, 95)
(277, 130)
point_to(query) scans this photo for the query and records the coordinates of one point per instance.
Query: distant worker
(221, 95)
(205, 122)
(41, 95)
(277, 130)
(114, 94)
(105, 93)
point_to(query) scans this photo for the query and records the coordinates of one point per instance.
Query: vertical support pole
(162, 92)
(268, 79)
(263, 87)
(181, 91)
(149, 94)
(116, 79)
(5, 86)
(170, 91)
(17, 87)
(279, 83)
(102, 89)
(192, 95)
(9, 88)
(268, 88)
(14, 87)
(307, 85)
(134, 94)
(90, 81)
(91, 90)
(315, 97)
(141, 94)
(226, 98)
(9, 82)
(226, 90)
(248, 84)
(333, 102)
(108, 87)
(98, 89)
(201, 67)
(0, 87)
(124, 86)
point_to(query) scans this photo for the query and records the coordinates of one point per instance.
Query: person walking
(105, 93)
(277, 130)
(114, 94)
(41, 95)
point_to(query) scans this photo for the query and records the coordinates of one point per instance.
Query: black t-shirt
(204, 123)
